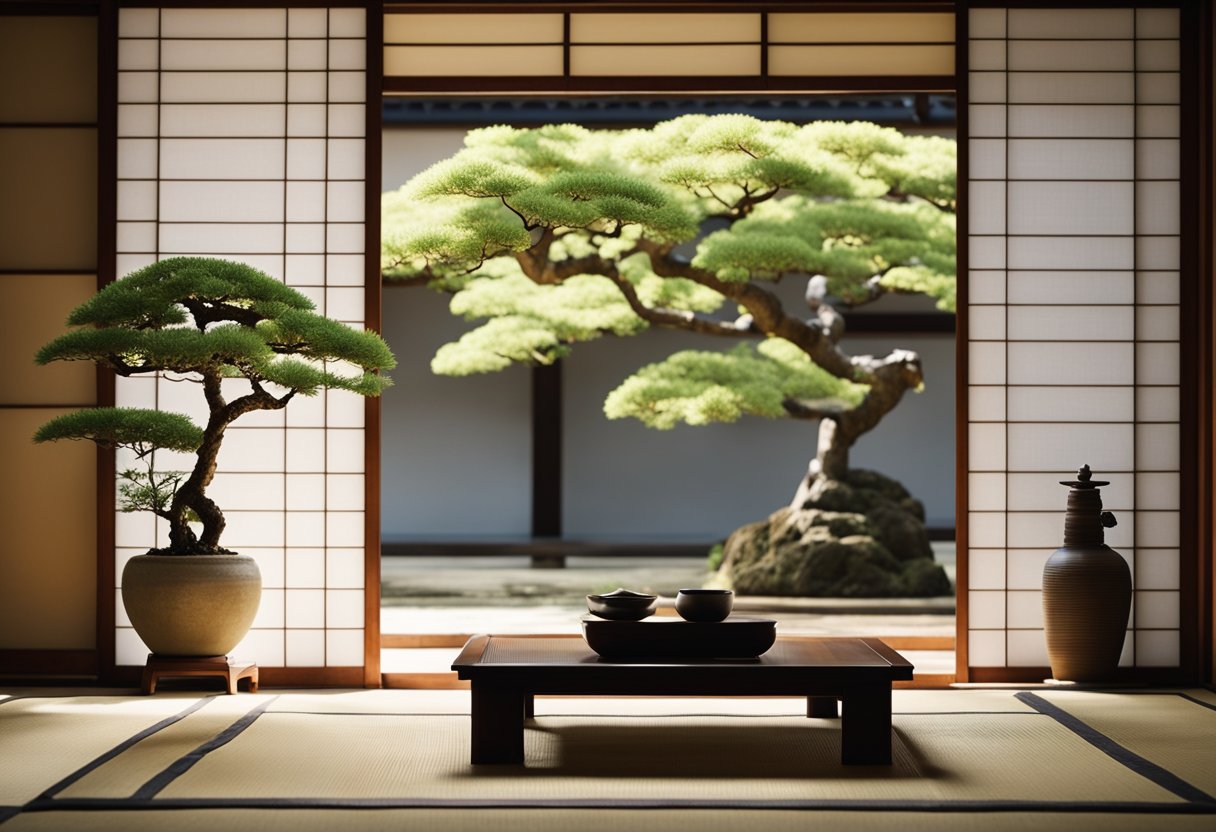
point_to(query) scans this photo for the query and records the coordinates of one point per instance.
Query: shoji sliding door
(243, 134)
(1074, 295)
(48, 264)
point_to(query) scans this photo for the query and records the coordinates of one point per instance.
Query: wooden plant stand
(231, 670)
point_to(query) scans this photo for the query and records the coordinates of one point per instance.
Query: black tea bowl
(622, 605)
(704, 604)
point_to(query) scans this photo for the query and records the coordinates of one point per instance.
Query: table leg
(865, 727)
(498, 725)
(822, 707)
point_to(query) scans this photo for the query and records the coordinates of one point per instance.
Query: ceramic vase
(1087, 591)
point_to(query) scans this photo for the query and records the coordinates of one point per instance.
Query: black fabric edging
(97, 762)
(180, 766)
(952, 806)
(1198, 702)
(7, 812)
(1125, 756)
(17, 698)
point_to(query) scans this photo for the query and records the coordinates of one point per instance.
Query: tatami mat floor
(395, 759)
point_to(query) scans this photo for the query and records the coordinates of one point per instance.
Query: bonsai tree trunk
(191, 494)
(847, 532)
(838, 432)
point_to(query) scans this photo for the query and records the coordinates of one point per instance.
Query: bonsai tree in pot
(250, 343)
(558, 235)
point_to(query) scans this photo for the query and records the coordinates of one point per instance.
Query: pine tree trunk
(832, 453)
(839, 432)
(831, 459)
(190, 496)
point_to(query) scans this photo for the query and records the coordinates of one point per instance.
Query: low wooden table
(507, 672)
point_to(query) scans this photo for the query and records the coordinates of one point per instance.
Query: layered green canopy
(557, 235)
(191, 315)
(212, 322)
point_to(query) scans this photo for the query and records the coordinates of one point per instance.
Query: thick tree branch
(205, 314)
(798, 409)
(677, 318)
(814, 337)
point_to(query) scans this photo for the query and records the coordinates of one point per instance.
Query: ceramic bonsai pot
(191, 605)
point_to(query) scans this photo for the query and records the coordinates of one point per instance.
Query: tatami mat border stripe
(102, 759)
(1149, 770)
(7, 812)
(1210, 706)
(1064, 806)
(18, 698)
(181, 766)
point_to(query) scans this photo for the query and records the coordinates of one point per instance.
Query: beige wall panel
(664, 28)
(48, 69)
(430, 61)
(861, 60)
(48, 510)
(861, 28)
(472, 28)
(48, 205)
(36, 308)
(665, 60)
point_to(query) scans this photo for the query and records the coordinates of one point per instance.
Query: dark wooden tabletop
(484, 652)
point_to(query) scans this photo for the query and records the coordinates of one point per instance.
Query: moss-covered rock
(861, 538)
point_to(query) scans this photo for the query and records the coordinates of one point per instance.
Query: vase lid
(1083, 480)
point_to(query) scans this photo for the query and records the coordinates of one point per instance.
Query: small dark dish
(704, 604)
(622, 605)
(740, 639)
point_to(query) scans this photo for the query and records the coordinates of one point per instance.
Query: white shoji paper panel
(1072, 288)
(235, 23)
(1099, 404)
(1063, 87)
(1071, 323)
(244, 138)
(1031, 24)
(1071, 158)
(1074, 216)
(235, 87)
(1070, 56)
(221, 120)
(1027, 648)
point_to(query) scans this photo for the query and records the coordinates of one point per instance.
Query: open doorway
(519, 470)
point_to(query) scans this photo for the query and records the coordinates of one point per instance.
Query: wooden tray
(674, 638)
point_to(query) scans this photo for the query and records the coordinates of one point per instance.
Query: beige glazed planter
(191, 605)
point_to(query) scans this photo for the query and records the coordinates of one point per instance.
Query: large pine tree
(557, 235)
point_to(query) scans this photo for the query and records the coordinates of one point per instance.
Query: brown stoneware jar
(1087, 591)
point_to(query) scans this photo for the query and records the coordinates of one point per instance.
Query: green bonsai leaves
(558, 235)
(211, 322)
(126, 427)
(700, 387)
